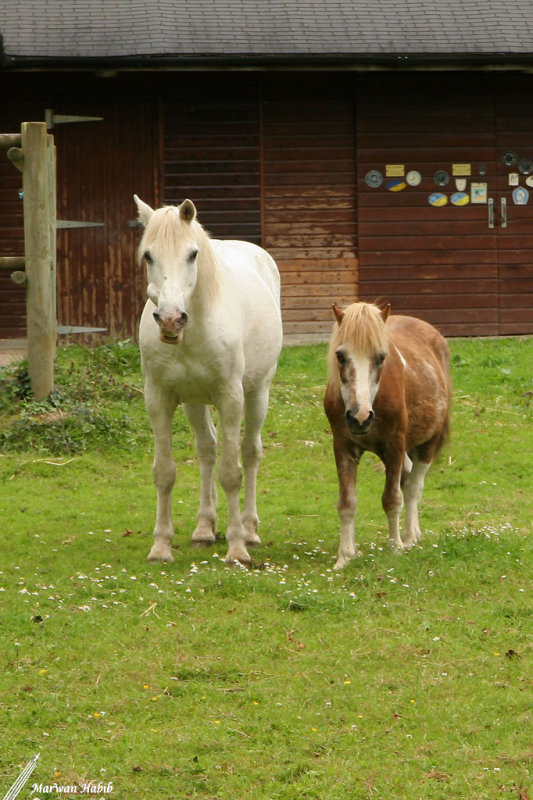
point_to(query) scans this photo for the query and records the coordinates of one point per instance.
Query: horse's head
(170, 247)
(358, 349)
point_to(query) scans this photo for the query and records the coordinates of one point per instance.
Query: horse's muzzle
(355, 425)
(171, 326)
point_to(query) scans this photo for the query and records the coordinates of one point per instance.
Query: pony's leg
(347, 503)
(230, 472)
(160, 409)
(206, 447)
(412, 491)
(255, 411)
(392, 498)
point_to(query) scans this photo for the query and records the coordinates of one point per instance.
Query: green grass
(402, 677)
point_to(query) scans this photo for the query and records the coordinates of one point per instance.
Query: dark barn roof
(55, 33)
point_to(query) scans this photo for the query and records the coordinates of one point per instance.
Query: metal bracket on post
(53, 119)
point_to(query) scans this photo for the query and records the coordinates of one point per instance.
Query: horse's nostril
(157, 316)
(184, 317)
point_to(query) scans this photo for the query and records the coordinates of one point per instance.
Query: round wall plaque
(441, 177)
(413, 178)
(374, 178)
(509, 158)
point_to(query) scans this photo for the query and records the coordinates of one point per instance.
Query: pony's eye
(148, 257)
(193, 254)
(380, 358)
(341, 358)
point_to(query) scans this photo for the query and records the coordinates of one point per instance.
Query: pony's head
(180, 264)
(358, 349)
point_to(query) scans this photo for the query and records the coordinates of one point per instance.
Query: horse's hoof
(253, 540)
(203, 542)
(203, 536)
(160, 552)
(241, 559)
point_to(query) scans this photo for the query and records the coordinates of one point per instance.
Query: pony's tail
(445, 431)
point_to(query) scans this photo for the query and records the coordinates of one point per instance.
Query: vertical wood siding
(514, 131)
(445, 264)
(100, 166)
(309, 222)
(212, 157)
(12, 298)
(436, 263)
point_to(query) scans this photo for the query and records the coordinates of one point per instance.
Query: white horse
(210, 334)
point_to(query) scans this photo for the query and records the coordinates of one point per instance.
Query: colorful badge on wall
(520, 196)
(526, 166)
(396, 185)
(413, 178)
(478, 192)
(437, 199)
(460, 199)
(529, 180)
(373, 178)
(460, 184)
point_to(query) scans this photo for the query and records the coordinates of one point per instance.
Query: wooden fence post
(39, 187)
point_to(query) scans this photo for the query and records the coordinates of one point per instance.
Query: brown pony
(389, 392)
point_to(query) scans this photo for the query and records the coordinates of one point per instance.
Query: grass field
(403, 676)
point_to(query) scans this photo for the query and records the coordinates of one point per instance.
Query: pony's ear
(339, 313)
(188, 211)
(385, 312)
(145, 211)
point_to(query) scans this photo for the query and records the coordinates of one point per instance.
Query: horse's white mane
(167, 228)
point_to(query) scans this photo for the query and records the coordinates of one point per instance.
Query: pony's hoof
(252, 540)
(407, 544)
(160, 552)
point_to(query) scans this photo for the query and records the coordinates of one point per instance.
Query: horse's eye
(193, 254)
(341, 358)
(380, 358)
(148, 257)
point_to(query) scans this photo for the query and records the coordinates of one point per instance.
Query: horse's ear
(385, 312)
(145, 211)
(188, 211)
(339, 313)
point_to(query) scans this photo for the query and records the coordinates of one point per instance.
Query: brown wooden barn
(380, 150)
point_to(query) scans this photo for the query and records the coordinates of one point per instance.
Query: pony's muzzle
(171, 325)
(357, 426)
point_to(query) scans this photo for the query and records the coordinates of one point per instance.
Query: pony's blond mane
(362, 328)
(167, 228)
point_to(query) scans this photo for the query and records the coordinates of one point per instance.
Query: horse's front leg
(392, 497)
(230, 474)
(347, 463)
(256, 408)
(160, 411)
(206, 447)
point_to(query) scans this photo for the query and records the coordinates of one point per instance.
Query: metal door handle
(491, 212)
(504, 212)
